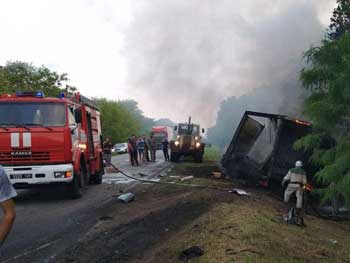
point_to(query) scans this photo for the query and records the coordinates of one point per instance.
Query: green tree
(327, 77)
(118, 122)
(146, 123)
(340, 21)
(164, 122)
(22, 76)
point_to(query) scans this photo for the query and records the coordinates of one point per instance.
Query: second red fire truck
(50, 141)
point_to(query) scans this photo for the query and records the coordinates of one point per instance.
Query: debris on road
(126, 198)
(191, 252)
(105, 218)
(239, 192)
(186, 178)
(333, 241)
(232, 252)
(217, 175)
(110, 170)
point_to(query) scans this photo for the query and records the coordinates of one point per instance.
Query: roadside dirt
(131, 229)
(166, 219)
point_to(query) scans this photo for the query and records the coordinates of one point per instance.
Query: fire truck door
(90, 135)
(73, 126)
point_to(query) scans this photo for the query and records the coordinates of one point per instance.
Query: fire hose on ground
(168, 183)
(307, 188)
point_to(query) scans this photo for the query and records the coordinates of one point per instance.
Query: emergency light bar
(61, 95)
(36, 94)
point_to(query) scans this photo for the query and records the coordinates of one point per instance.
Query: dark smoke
(186, 56)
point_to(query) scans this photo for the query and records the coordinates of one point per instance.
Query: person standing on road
(107, 151)
(153, 148)
(296, 178)
(147, 147)
(132, 147)
(7, 192)
(141, 149)
(130, 151)
(165, 146)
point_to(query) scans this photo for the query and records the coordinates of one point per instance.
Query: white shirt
(6, 189)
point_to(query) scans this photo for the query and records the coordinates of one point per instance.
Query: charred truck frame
(261, 150)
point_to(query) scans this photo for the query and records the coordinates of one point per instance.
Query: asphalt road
(48, 222)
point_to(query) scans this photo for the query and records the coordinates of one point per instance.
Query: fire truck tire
(97, 178)
(76, 187)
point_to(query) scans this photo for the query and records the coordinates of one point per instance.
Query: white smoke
(186, 56)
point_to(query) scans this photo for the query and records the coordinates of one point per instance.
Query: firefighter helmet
(298, 164)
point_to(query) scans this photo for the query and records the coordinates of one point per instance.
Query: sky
(175, 57)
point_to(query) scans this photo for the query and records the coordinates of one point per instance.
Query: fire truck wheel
(77, 185)
(97, 179)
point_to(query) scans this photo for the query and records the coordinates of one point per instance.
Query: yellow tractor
(188, 141)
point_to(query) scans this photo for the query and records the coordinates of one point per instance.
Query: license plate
(21, 176)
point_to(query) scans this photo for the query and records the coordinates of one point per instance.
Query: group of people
(143, 149)
(140, 149)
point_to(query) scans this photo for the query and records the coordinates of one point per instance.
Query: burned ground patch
(201, 171)
(127, 242)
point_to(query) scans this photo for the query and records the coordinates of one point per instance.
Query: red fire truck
(160, 133)
(50, 141)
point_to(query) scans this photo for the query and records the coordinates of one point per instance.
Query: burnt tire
(174, 157)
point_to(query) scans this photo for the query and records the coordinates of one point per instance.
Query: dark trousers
(108, 158)
(166, 154)
(147, 154)
(153, 155)
(133, 158)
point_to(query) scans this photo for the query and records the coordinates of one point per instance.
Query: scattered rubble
(110, 170)
(248, 250)
(191, 252)
(126, 198)
(333, 241)
(186, 178)
(217, 175)
(239, 192)
(105, 218)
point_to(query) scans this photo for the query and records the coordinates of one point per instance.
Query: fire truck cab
(50, 141)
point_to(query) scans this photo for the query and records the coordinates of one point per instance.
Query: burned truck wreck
(261, 151)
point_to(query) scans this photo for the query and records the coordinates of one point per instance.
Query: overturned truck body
(261, 150)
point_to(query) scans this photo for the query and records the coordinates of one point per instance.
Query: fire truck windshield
(32, 114)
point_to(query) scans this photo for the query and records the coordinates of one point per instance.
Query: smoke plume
(186, 56)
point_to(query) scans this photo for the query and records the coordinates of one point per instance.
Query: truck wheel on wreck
(75, 188)
(174, 157)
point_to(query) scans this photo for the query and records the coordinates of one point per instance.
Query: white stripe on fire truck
(27, 139)
(15, 139)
